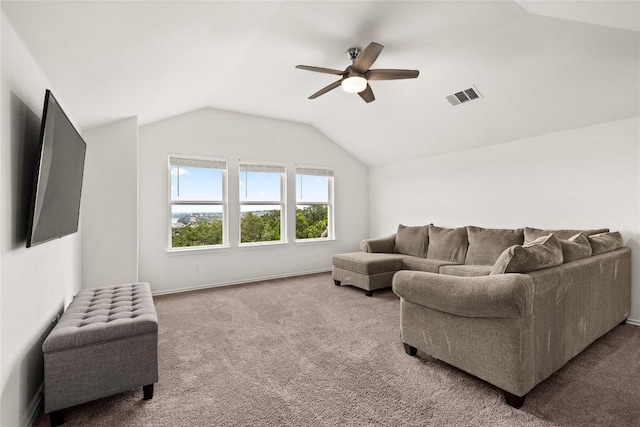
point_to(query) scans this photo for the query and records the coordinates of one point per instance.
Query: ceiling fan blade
(326, 89)
(320, 70)
(367, 95)
(391, 74)
(367, 57)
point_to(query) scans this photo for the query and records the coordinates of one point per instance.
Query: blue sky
(206, 184)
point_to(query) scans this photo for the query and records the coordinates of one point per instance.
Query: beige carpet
(303, 352)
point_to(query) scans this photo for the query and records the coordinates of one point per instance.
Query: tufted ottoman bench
(106, 342)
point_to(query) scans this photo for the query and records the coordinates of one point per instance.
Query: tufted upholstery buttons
(98, 315)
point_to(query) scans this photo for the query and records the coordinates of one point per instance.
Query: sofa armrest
(504, 295)
(381, 245)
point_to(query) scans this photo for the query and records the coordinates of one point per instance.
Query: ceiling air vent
(464, 96)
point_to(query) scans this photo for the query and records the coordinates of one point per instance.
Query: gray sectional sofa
(508, 306)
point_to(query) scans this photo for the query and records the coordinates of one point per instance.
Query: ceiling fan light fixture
(354, 84)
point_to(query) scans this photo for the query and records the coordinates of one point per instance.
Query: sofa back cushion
(486, 244)
(577, 247)
(605, 242)
(531, 234)
(542, 253)
(412, 240)
(447, 244)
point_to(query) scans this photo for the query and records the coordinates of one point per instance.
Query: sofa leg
(147, 390)
(411, 351)
(624, 322)
(56, 418)
(368, 293)
(513, 400)
(336, 282)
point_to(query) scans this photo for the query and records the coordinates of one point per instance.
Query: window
(261, 203)
(197, 202)
(314, 203)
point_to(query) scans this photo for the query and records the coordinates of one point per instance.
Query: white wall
(109, 212)
(583, 178)
(35, 283)
(235, 136)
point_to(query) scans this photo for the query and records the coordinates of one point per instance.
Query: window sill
(196, 250)
(261, 245)
(320, 241)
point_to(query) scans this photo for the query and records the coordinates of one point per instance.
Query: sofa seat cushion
(368, 263)
(412, 240)
(466, 270)
(542, 253)
(531, 234)
(486, 244)
(447, 244)
(424, 264)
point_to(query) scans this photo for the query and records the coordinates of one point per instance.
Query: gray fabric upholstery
(105, 314)
(487, 296)
(466, 270)
(368, 282)
(498, 350)
(577, 247)
(447, 244)
(381, 245)
(577, 303)
(368, 263)
(106, 342)
(486, 244)
(531, 234)
(423, 264)
(412, 240)
(515, 330)
(542, 253)
(605, 242)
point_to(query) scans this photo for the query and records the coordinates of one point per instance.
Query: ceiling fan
(355, 78)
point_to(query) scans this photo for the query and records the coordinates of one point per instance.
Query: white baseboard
(34, 407)
(240, 282)
(633, 322)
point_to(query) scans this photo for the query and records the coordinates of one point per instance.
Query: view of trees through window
(313, 202)
(261, 202)
(198, 203)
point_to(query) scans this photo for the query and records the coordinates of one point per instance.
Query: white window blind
(251, 167)
(198, 163)
(301, 170)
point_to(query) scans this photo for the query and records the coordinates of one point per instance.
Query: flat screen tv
(55, 199)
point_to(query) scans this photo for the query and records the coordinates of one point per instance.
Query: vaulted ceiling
(540, 67)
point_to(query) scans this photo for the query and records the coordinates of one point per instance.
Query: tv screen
(55, 202)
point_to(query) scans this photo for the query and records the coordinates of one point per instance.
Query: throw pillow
(447, 244)
(577, 247)
(412, 240)
(605, 242)
(531, 234)
(486, 244)
(542, 253)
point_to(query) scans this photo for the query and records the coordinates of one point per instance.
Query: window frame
(328, 172)
(269, 167)
(224, 202)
